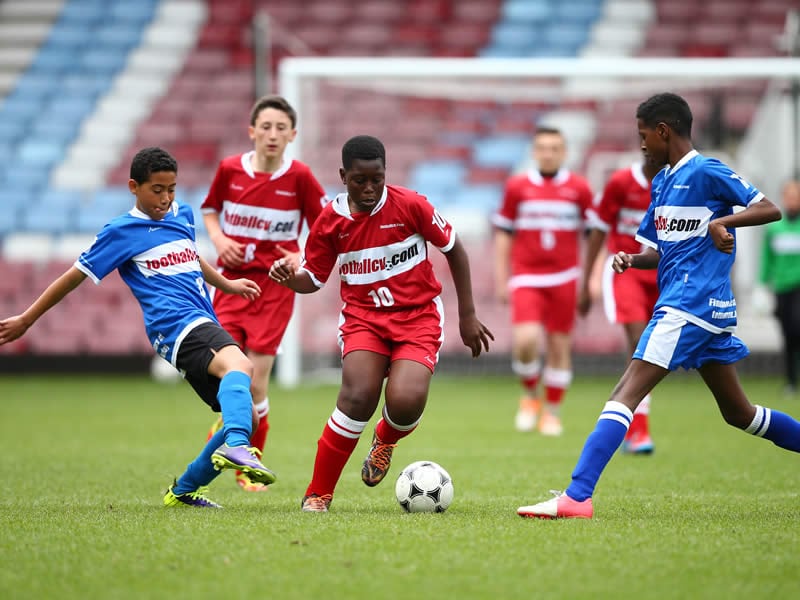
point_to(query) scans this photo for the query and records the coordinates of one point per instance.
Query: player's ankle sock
(389, 432)
(598, 449)
(259, 437)
(528, 374)
(338, 440)
(201, 470)
(236, 404)
(777, 427)
(556, 382)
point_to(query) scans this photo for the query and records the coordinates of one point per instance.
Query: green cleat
(196, 499)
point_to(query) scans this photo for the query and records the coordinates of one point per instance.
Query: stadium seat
(500, 151)
(527, 11)
(484, 198)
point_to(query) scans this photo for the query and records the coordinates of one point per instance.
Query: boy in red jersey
(253, 213)
(628, 298)
(537, 235)
(391, 325)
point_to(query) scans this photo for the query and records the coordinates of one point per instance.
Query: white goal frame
(292, 73)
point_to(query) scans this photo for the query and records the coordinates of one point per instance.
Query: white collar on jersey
(560, 177)
(135, 212)
(638, 174)
(248, 166)
(342, 207)
(686, 158)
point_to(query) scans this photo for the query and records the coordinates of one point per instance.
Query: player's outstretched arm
(240, 287)
(647, 259)
(502, 255)
(594, 244)
(284, 272)
(474, 334)
(14, 327)
(758, 213)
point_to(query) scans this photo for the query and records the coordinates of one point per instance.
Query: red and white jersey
(545, 216)
(263, 210)
(383, 255)
(621, 208)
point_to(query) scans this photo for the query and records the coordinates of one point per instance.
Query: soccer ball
(424, 487)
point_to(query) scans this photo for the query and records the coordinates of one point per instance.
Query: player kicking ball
(153, 248)
(689, 234)
(391, 324)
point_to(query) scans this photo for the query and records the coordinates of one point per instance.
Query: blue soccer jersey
(159, 262)
(693, 275)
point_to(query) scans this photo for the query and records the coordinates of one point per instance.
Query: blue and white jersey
(159, 262)
(693, 276)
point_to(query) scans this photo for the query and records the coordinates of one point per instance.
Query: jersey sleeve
(647, 229)
(605, 211)
(433, 226)
(312, 198)
(728, 186)
(319, 255)
(107, 252)
(216, 193)
(505, 215)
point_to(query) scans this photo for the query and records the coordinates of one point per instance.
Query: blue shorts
(671, 342)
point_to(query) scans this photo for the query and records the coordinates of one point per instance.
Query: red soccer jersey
(383, 255)
(545, 217)
(621, 208)
(263, 210)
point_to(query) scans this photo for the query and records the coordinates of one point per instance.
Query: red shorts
(414, 334)
(554, 306)
(629, 297)
(258, 325)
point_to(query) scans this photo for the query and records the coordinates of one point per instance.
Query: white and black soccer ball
(424, 487)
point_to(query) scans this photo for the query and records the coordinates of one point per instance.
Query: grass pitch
(85, 462)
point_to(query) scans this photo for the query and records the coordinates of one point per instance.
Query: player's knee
(738, 417)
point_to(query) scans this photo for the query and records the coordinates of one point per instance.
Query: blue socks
(237, 408)
(599, 448)
(200, 471)
(777, 427)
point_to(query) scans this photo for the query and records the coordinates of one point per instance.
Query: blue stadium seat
(436, 178)
(107, 60)
(82, 12)
(54, 60)
(484, 197)
(584, 12)
(119, 36)
(12, 129)
(70, 37)
(111, 200)
(9, 219)
(513, 35)
(40, 153)
(527, 11)
(140, 12)
(500, 151)
(33, 86)
(61, 198)
(48, 219)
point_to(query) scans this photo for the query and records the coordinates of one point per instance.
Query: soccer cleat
(550, 425)
(215, 427)
(247, 485)
(244, 459)
(315, 503)
(559, 507)
(378, 461)
(638, 444)
(196, 499)
(528, 414)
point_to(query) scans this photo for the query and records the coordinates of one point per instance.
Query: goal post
(331, 92)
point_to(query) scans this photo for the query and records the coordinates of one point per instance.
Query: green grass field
(85, 461)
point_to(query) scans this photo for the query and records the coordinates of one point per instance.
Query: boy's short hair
(667, 108)
(276, 102)
(362, 147)
(548, 129)
(151, 160)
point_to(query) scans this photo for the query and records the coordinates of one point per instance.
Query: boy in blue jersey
(688, 234)
(153, 248)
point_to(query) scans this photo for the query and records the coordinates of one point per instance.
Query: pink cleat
(560, 507)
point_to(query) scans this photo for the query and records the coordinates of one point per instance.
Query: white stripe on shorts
(663, 340)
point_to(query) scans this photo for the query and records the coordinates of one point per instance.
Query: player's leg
(235, 372)
(363, 372)
(527, 341)
(559, 313)
(615, 418)
(723, 381)
(638, 440)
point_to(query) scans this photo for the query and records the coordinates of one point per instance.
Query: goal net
(456, 128)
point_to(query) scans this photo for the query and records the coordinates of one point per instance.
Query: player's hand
(722, 238)
(245, 287)
(622, 261)
(230, 252)
(282, 271)
(584, 301)
(293, 258)
(12, 328)
(474, 334)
